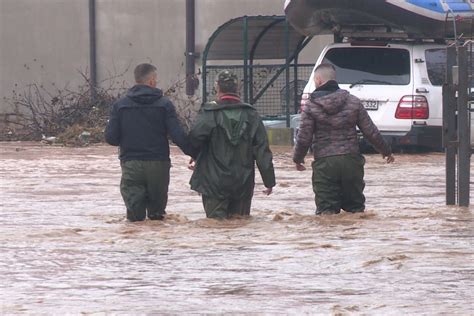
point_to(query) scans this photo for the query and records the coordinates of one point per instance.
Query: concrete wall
(132, 32)
(154, 31)
(43, 42)
(47, 41)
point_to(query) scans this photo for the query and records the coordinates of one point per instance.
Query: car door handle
(422, 90)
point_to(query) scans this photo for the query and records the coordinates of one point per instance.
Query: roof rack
(368, 32)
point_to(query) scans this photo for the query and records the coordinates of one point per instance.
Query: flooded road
(65, 247)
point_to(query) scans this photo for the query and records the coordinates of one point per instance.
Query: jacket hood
(235, 124)
(231, 118)
(330, 102)
(144, 94)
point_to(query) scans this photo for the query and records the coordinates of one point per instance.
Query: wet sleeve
(202, 128)
(371, 132)
(304, 137)
(176, 132)
(263, 156)
(112, 130)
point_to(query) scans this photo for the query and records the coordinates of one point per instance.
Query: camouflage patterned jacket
(329, 121)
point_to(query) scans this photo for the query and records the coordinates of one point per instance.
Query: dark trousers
(338, 183)
(226, 208)
(144, 187)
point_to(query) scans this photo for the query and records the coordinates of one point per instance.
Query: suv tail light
(413, 107)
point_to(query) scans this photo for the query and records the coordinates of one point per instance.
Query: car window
(370, 65)
(436, 65)
(436, 59)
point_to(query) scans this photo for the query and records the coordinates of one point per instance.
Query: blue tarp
(455, 5)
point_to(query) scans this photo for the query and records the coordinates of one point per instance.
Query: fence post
(246, 59)
(464, 149)
(287, 73)
(92, 50)
(295, 86)
(449, 127)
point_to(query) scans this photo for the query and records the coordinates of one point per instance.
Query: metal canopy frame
(247, 39)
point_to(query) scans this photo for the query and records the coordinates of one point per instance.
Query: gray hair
(326, 72)
(143, 71)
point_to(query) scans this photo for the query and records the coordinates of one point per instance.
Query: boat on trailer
(416, 19)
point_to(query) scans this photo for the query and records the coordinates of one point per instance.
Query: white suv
(399, 83)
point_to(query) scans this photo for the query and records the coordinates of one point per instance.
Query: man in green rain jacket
(231, 138)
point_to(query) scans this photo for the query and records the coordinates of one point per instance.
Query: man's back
(140, 124)
(329, 121)
(232, 137)
(335, 118)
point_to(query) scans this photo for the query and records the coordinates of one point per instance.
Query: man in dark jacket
(140, 124)
(231, 137)
(328, 122)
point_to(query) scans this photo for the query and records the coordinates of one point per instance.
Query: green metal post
(204, 78)
(295, 84)
(246, 77)
(205, 55)
(252, 54)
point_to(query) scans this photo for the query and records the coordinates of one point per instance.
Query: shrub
(77, 117)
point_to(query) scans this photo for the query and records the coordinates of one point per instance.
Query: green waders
(226, 208)
(338, 183)
(144, 186)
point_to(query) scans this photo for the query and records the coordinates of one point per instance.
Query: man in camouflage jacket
(231, 138)
(328, 123)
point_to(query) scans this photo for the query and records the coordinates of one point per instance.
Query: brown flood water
(65, 247)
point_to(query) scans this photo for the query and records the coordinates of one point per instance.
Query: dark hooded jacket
(140, 124)
(232, 138)
(329, 121)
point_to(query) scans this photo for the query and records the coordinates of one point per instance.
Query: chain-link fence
(268, 86)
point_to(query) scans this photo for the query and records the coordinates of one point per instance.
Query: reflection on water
(65, 247)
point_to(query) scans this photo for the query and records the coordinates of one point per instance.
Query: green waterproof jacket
(232, 138)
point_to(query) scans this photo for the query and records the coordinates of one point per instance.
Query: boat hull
(313, 17)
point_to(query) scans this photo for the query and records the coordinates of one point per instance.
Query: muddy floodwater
(66, 248)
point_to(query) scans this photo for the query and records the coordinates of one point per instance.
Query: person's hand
(300, 167)
(191, 164)
(390, 158)
(268, 191)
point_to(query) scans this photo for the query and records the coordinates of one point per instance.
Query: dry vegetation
(77, 117)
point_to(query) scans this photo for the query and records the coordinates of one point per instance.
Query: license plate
(371, 104)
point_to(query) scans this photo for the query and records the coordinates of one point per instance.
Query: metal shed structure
(263, 52)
